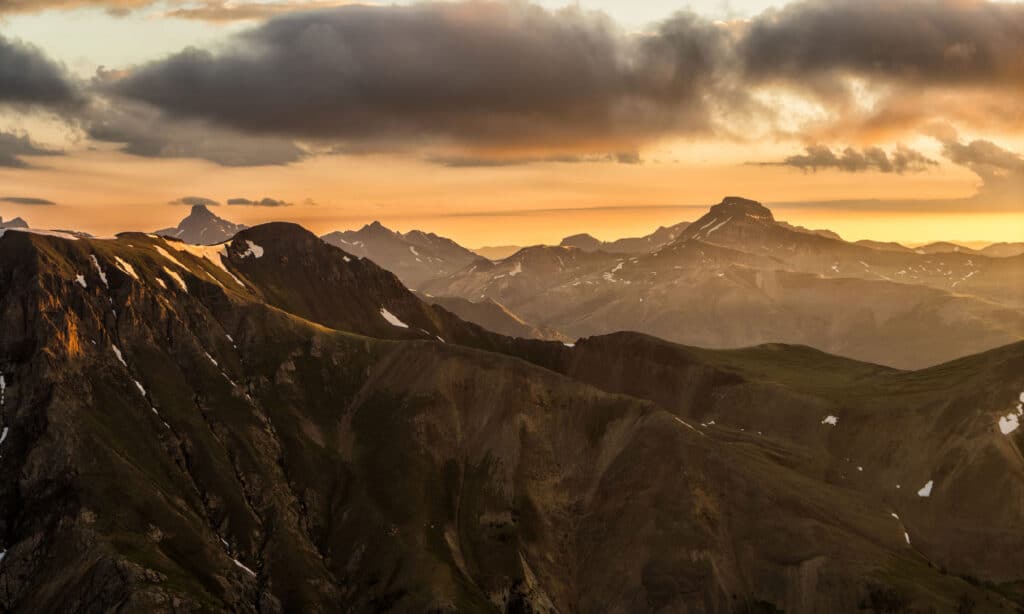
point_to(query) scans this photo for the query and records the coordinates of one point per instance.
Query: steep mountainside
(415, 257)
(657, 239)
(736, 277)
(202, 227)
(188, 429)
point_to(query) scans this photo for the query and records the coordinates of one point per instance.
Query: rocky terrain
(273, 424)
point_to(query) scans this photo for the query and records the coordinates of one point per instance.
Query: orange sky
(104, 192)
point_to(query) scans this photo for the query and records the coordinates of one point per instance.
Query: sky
(516, 122)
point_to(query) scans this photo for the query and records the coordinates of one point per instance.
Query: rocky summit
(272, 424)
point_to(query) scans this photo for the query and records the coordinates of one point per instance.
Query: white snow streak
(117, 352)
(177, 279)
(99, 270)
(392, 319)
(128, 269)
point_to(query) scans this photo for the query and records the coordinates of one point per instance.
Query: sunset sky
(516, 122)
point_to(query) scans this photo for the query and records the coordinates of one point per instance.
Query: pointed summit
(202, 227)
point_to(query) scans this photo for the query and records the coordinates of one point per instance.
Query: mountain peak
(201, 211)
(736, 205)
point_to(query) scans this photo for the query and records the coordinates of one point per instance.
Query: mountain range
(275, 424)
(736, 277)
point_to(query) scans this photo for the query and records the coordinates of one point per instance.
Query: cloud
(222, 11)
(28, 77)
(194, 201)
(26, 200)
(850, 160)
(147, 132)
(1000, 170)
(13, 146)
(919, 42)
(879, 69)
(486, 77)
(263, 202)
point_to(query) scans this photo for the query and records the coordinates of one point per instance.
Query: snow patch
(906, 536)
(177, 279)
(569, 345)
(216, 254)
(252, 250)
(139, 386)
(163, 252)
(3, 434)
(516, 270)
(1009, 423)
(926, 490)
(117, 352)
(80, 280)
(830, 420)
(392, 319)
(128, 269)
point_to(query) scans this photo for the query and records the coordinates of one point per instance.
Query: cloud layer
(484, 75)
(850, 160)
(26, 200)
(489, 83)
(13, 146)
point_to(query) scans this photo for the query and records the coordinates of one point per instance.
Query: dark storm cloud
(488, 75)
(193, 201)
(917, 41)
(819, 157)
(28, 77)
(263, 202)
(147, 132)
(26, 200)
(13, 146)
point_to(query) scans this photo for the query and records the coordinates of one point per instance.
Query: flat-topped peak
(736, 205)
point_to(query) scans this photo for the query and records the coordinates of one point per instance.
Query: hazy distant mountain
(944, 247)
(1004, 250)
(415, 257)
(657, 239)
(736, 277)
(497, 252)
(890, 246)
(203, 227)
(15, 223)
(273, 424)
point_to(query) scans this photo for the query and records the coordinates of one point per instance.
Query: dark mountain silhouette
(272, 424)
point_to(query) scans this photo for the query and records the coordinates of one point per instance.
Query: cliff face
(272, 425)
